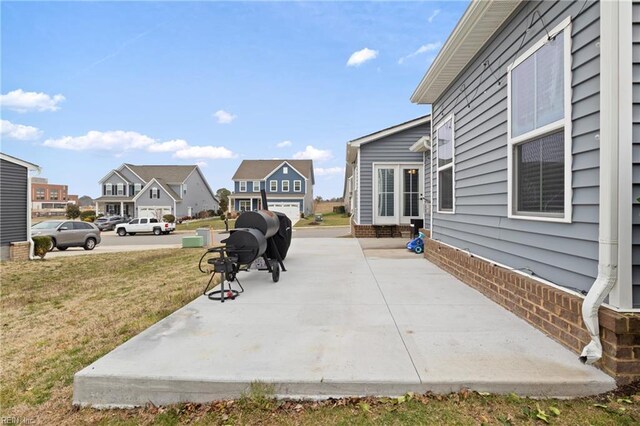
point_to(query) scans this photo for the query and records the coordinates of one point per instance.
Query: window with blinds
(445, 150)
(539, 87)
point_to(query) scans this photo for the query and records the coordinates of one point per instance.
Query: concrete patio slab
(342, 321)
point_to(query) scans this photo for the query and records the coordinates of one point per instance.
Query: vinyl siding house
(153, 191)
(15, 208)
(385, 179)
(534, 175)
(288, 184)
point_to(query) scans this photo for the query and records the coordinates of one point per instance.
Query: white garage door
(292, 210)
(154, 211)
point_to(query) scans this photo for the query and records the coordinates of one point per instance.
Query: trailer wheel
(275, 271)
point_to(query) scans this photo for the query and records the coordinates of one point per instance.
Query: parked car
(69, 233)
(109, 223)
(145, 225)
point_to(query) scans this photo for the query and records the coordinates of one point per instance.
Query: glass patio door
(385, 195)
(411, 203)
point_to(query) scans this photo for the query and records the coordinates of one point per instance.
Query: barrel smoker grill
(259, 241)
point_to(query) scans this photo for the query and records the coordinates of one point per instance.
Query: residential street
(112, 243)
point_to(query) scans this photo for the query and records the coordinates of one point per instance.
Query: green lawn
(61, 314)
(328, 219)
(211, 222)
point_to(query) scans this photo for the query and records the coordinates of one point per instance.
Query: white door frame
(396, 219)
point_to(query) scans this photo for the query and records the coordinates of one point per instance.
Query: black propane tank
(247, 244)
(265, 221)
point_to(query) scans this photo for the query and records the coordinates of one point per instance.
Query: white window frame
(241, 202)
(297, 183)
(108, 189)
(155, 193)
(287, 186)
(512, 142)
(273, 186)
(137, 187)
(243, 186)
(285, 170)
(120, 189)
(256, 186)
(451, 165)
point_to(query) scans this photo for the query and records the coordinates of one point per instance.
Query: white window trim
(137, 188)
(108, 189)
(120, 189)
(512, 142)
(288, 186)
(272, 186)
(299, 183)
(256, 188)
(285, 170)
(241, 202)
(451, 165)
(243, 186)
(155, 193)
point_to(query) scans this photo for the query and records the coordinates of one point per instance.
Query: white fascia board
(148, 185)
(356, 143)
(478, 24)
(129, 168)
(112, 172)
(282, 164)
(422, 145)
(26, 164)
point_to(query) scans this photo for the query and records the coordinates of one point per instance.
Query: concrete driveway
(347, 318)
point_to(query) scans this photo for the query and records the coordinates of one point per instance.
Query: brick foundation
(19, 251)
(553, 311)
(386, 231)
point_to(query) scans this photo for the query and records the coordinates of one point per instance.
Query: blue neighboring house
(288, 183)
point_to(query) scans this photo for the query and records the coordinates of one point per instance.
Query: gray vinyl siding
(13, 205)
(393, 148)
(198, 196)
(427, 188)
(566, 254)
(130, 176)
(145, 199)
(636, 156)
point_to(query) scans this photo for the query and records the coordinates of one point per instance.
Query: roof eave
(356, 143)
(476, 26)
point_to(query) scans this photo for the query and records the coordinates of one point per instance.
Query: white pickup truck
(145, 225)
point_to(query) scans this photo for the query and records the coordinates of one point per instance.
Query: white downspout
(608, 214)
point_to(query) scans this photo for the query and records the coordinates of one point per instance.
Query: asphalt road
(112, 243)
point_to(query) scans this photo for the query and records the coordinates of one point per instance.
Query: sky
(87, 86)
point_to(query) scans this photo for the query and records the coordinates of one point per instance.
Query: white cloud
(117, 140)
(168, 146)
(224, 117)
(433, 15)
(284, 144)
(201, 152)
(18, 131)
(425, 48)
(311, 153)
(361, 56)
(21, 101)
(328, 171)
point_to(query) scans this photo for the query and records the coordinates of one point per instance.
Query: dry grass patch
(59, 315)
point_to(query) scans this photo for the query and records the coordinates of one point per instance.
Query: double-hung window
(136, 188)
(154, 193)
(444, 139)
(539, 123)
(120, 189)
(256, 186)
(285, 186)
(273, 186)
(108, 189)
(297, 186)
(243, 186)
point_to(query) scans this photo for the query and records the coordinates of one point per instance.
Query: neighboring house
(385, 180)
(288, 184)
(154, 191)
(535, 178)
(15, 208)
(50, 199)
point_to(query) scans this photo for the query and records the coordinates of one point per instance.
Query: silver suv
(109, 223)
(69, 233)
